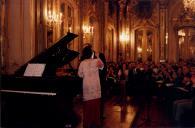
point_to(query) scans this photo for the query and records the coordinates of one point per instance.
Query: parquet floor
(154, 115)
(116, 114)
(127, 116)
(119, 115)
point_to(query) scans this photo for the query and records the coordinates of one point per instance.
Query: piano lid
(54, 57)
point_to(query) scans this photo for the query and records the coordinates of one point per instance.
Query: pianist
(89, 71)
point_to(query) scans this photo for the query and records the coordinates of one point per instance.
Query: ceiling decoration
(143, 9)
(189, 6)
(111, 7)
(125, 8)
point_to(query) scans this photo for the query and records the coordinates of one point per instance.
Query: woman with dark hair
(89, 71)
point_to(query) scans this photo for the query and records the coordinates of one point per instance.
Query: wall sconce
(1, 38)
(53, 18)
(181, 33)
(69, 29)
(87, 29)
(166, 38)
(124, 37)
(149, 50)
(139, 49)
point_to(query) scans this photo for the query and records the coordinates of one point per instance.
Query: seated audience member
(110, 79)
(185, 90)
(179, 78)
(184, 110)
(180, 107)
(186, 71)
(110, 74)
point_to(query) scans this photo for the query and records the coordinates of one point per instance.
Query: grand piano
(41, 92)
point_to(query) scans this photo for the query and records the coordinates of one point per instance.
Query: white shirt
(89, 71)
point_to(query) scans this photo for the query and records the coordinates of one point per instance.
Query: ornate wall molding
(152, 21)
(2, 35)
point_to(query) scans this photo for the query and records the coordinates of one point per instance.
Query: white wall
(20, 33)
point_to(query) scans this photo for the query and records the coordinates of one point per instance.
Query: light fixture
(149, 50)
(124, 37)
(69, 29)
(53, 18)
(181, 33)
(181, 40)
(87, 29)
(139, 49)
(189, 6)
(166, 38)
(1, 38)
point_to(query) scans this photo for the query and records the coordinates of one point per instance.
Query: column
(144, 46)
(121, 30)
(156, 47)
(172, 45)
(162, 30)
(81, 40)
(186, 45)
(2, 36)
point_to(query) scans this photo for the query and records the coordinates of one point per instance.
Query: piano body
(45, 100)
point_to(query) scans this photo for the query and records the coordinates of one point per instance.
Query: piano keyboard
(30, 92)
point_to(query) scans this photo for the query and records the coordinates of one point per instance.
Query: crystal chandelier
(189, 6)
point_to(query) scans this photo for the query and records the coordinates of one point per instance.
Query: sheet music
(34, 70)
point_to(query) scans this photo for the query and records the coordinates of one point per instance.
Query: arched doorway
(144, 39)
(186, 43)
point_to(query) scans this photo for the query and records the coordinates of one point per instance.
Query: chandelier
(189, 6)
(54, 18)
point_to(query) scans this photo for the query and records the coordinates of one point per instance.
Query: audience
(169, 82)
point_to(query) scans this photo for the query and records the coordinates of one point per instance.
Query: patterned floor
(126, 115)
(153, 115)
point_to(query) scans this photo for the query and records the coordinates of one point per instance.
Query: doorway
(186, 43)
(143, 44)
